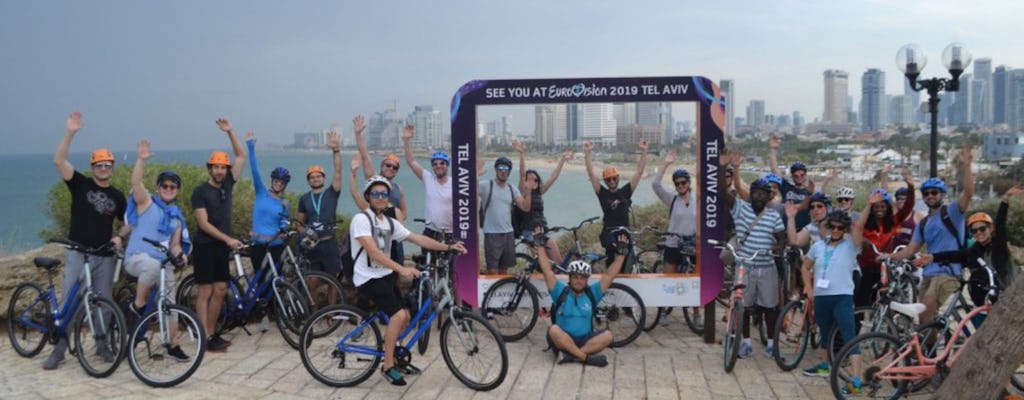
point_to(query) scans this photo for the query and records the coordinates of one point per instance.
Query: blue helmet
(819, 197)
(440, 155)
(762, 184)
(883, 192)
(680, 173)
(503, 161)
(797, 166)
(281, 174)
(934, 183)
(773, 179)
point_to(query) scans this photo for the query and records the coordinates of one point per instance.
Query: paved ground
(668, 363)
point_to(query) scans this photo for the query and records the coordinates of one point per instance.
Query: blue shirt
(575, 315)
(939, 239)
(148, 226)
(267, 209)
(836, 264)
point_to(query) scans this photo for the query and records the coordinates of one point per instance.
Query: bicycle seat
(910, 310)
(46, 262)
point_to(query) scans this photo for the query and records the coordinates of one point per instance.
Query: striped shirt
(761, 235)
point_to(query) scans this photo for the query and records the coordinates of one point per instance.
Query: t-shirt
(615, 205)
(93, 209)
(790, 192)
(835, 264)
(438, 207)
(380, 231)
(814, 230)
(148, 226)
(683, 220)
(938, 238)
(321, 209)
(498, 216)
(536, 217)
(266, 209)
(575, 314)
(762, 235)
(217, 202)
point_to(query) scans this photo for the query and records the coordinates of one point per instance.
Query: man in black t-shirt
(615, 201)
(211, 204)
(95, 203)
(318, 210)
(796, 188)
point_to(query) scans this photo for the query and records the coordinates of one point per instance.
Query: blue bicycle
(342, 345)
(94, 322)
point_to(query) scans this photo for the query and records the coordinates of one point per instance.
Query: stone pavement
(670, 362)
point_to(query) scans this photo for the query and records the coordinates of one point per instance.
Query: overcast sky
(166, 70)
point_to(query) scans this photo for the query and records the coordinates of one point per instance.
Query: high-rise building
(798, 122)
(728, 88)
(625, 114)
(1000, 83)
(873, 105)
(836, 85)
(912, 99)
(983, 95)
(1015, 100)
(550, 123)
(572, 124)
(651, 114)
(960, 109)
(596, 122)
(384, 130)
(755, 113)
(429, 129)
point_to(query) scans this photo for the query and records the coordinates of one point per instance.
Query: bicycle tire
(185, 295)
(424, 341)
(791, 326)
(888, 345)
(652, 315)
(733, 337)
(860, 314)
(320, 351)
(291, 309)
(693, 321)
(108, 318)
(618, 302)
(462, 335)
(512, 320)
(327, 284)
(191, 339)
(36, 310)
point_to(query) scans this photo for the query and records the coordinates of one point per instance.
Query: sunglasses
(391, 166)
(928, 193)
(682, 183)
(818, 205)
(169, 187)
(901, 199)
(836, 227)
(382, 194)
(439, 164)
(983, 228)
(502, 168)
(223, 195)
(103, 165)
(845, 200)
(611, 179)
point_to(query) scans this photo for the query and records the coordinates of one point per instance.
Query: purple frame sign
(710, 126)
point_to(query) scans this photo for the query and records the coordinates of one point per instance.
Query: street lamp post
(911, 60)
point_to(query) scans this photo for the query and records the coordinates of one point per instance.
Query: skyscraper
(384, 130)
(550, 123)
(1000, 82)
(728, 88)
(653, 114)
(429, 129)
(755, 113)
(596, 122)
(873, 105)
(836, 85)
(1015, 100)
(960, 110)
(983, 94)
(625, 114)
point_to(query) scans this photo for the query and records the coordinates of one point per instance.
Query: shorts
(147, 269)
(578, 340)
(939, 287)
(259, 251)
(211, 261)
(325, 257)
(671, 255)
(762, 286)
(499, 250)
(384, 293)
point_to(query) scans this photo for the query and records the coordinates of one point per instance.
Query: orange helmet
(979, 217)
(392, 157)
(101, 155)
(219, 158)
(610, 172)
(315, 168)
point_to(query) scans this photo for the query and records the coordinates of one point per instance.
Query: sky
(167, 70)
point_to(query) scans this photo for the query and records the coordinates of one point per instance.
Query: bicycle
(651, 262)
(342, 345)
(298, 271)
(432, 258)
(161, 327)
(252, 297)
(95, 322)
(734, 310)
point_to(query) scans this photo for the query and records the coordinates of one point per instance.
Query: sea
(26, 179)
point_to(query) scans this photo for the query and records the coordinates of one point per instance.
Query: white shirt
(438, 209)
(380, 232)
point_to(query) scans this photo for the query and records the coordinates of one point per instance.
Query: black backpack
(961, 240)
(348, 262)
(520, 219)
(558, 304)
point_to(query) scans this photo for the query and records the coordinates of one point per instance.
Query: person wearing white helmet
(375, 274)
(844, 201)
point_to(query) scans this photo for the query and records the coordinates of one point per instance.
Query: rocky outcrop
(19, 268)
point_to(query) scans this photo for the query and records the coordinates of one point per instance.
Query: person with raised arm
(880, 225)
(497, 197)
(437, 189)
(795, 189)
(318, 211)
(530, 178)
(389, 167)
(211, 205)
(269, 209)
(95, 204)
(902, 197)
(615, 201)
(682, 220)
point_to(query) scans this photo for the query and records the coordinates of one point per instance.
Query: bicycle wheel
(99, 331)
(649, 262)
(863, 318)
(325, 334)
(28, 316)
(621, 311)
(728, 278)
(474, 351)
(327, 288)
(186, 293)
(877, 351)
(291, 309)
(512, 307)
(424, 341)
(733, 336)
(150, 347)
(791, 336)
(523, 262)
(694, 320)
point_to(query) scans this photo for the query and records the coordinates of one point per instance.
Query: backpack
(520, 219)
(961, 240)
(487, 203)
(348, 262)
(558, 304)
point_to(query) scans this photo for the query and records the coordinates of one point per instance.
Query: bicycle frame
(255, 290)
(62, 315)
(927, 367)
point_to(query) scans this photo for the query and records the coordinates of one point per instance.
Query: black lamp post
(911, 60)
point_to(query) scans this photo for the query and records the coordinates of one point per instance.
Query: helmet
(883, 192)
(845, 193)
(797, 166)
(609, 172)
(680, 173)
(979, 217)
(901, 191)
(772, 178)
(440, 155)
(101, 155)
(168, 176)
(503, 161)
(392, 157)
(934, 183)
(820, 197)
(375, 180)
(219, 158)
(315, 169)
(762, 184)
(579, 267)
(839, 216)
(281, 174)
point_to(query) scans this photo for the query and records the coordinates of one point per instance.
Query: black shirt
(615, 205)
(217, 202)
(93, 209)
(321, 209)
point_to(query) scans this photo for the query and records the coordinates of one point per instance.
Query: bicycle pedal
(410, 370)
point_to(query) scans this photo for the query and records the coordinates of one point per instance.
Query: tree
(993, 354)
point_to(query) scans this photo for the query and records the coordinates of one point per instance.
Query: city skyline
(167, 70)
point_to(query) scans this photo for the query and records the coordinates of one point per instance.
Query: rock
(19, 268)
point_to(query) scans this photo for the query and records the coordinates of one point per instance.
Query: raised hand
(1014, 191)
(224, 125)
(774, 142)
(790, 209)
(832, 173)
(671, 157)
(723, 157)
(75, 122)
(736, 160)
(567, 155)
(357, 162)
(519, 146)
(888, 168)
(333, 140)
(358, 125)
(907, 176)
(143, 150)
(875, 198)
(588, 146)
(250, 136)
(643, 145)
(409, 132)
(965, 154)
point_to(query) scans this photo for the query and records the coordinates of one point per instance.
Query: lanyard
(316, 203)
(828, 257)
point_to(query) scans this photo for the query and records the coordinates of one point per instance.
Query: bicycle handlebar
(728, 245)
(177, 261)
(101, 251)
(574, 229)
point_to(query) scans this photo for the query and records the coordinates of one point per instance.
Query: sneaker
(393, 376)
(544, 313)
(596, 360)
(410, 369)
(55, 358)
(567, 358)
(746, 350)
(103, 351)
(222, 339)
(769, 351)
(851, 387)
(176, 354)
(819, 370)
(216, 345)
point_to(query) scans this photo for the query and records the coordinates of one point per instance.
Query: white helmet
(845, 193)
(373, 181)
(579, 267)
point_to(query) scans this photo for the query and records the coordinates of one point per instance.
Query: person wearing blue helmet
(270, 206)
(813, 232)
(943, 230)
(437, 189)
(797, 187)
(530, 178)
(880, 225)
(682, 221)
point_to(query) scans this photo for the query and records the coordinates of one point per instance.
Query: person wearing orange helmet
(615, 201)
(318, 211)
(389, 167)
(211, 204)
(95, 203)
